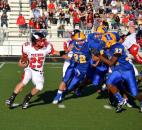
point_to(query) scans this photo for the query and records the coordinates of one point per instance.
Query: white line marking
(108, 107)
(2, 64)
(61, 106)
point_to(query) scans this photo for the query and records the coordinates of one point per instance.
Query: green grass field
(82, 113)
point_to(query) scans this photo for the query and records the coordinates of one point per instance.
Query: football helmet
(37, 38)
(80, 36)
(109, 39)
(101, 29)
(74, 32)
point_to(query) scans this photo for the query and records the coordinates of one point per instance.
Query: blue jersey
(82, 56)
(92, 36)
(122, 62)
(96, 74)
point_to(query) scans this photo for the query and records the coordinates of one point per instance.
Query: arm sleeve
(134, 49)
(50, 49)
(24, 51)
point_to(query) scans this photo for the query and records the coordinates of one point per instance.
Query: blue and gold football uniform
(122, 70)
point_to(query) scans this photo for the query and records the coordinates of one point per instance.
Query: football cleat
(25, 105)
(127, 103)
(77, 92)
(57, 99)
(119, 106)
(9, 103)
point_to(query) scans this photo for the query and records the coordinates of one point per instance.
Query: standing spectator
(22, 23)
(4, 20)
(1, 5)
(50, 16)
(89, 21)
(127, 8)
(61, 30)
(43, 5)
(33, 4)
(36, 13)
(31, 23)
(6, 7)
(117, 20)
(76, 18)
(119, 6)
(67, 17)
(125, 20)
(62, 17)
(51, 6)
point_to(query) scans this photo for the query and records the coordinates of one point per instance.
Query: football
(24, 61)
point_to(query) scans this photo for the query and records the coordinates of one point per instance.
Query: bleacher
(11, 45)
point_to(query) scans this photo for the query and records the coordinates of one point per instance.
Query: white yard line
(2, 64)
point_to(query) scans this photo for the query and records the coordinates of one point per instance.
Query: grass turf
(83, 113)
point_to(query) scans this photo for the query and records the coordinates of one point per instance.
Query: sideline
(2, 64)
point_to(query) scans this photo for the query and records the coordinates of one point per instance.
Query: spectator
(50, 16)
(67, 17)
(43, 5)
(76, 18)
(127, 8)
(22, 23)
(51, 6)
(36, 13)
(31, 23)
(33, 4)
(125, 20)
(90, 21)
(4, 19)
(6, 7)
(61, 30)
(62, 17)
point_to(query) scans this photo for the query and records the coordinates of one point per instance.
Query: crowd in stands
(85, 14)
(82, 14)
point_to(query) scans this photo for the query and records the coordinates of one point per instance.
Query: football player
(97, 33)
(132, 45)
(32, 59)
(122, 70)
(77, 70)
(68, 49)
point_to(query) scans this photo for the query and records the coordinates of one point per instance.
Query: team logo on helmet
(101, 29)
(80, 36)
(109, 39)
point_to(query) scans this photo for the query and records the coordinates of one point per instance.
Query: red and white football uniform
(36, 58)
(133, 49)
(67, 48)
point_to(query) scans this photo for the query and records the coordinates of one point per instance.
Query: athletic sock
(118, 97)
(13, 96)
(28, 97)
